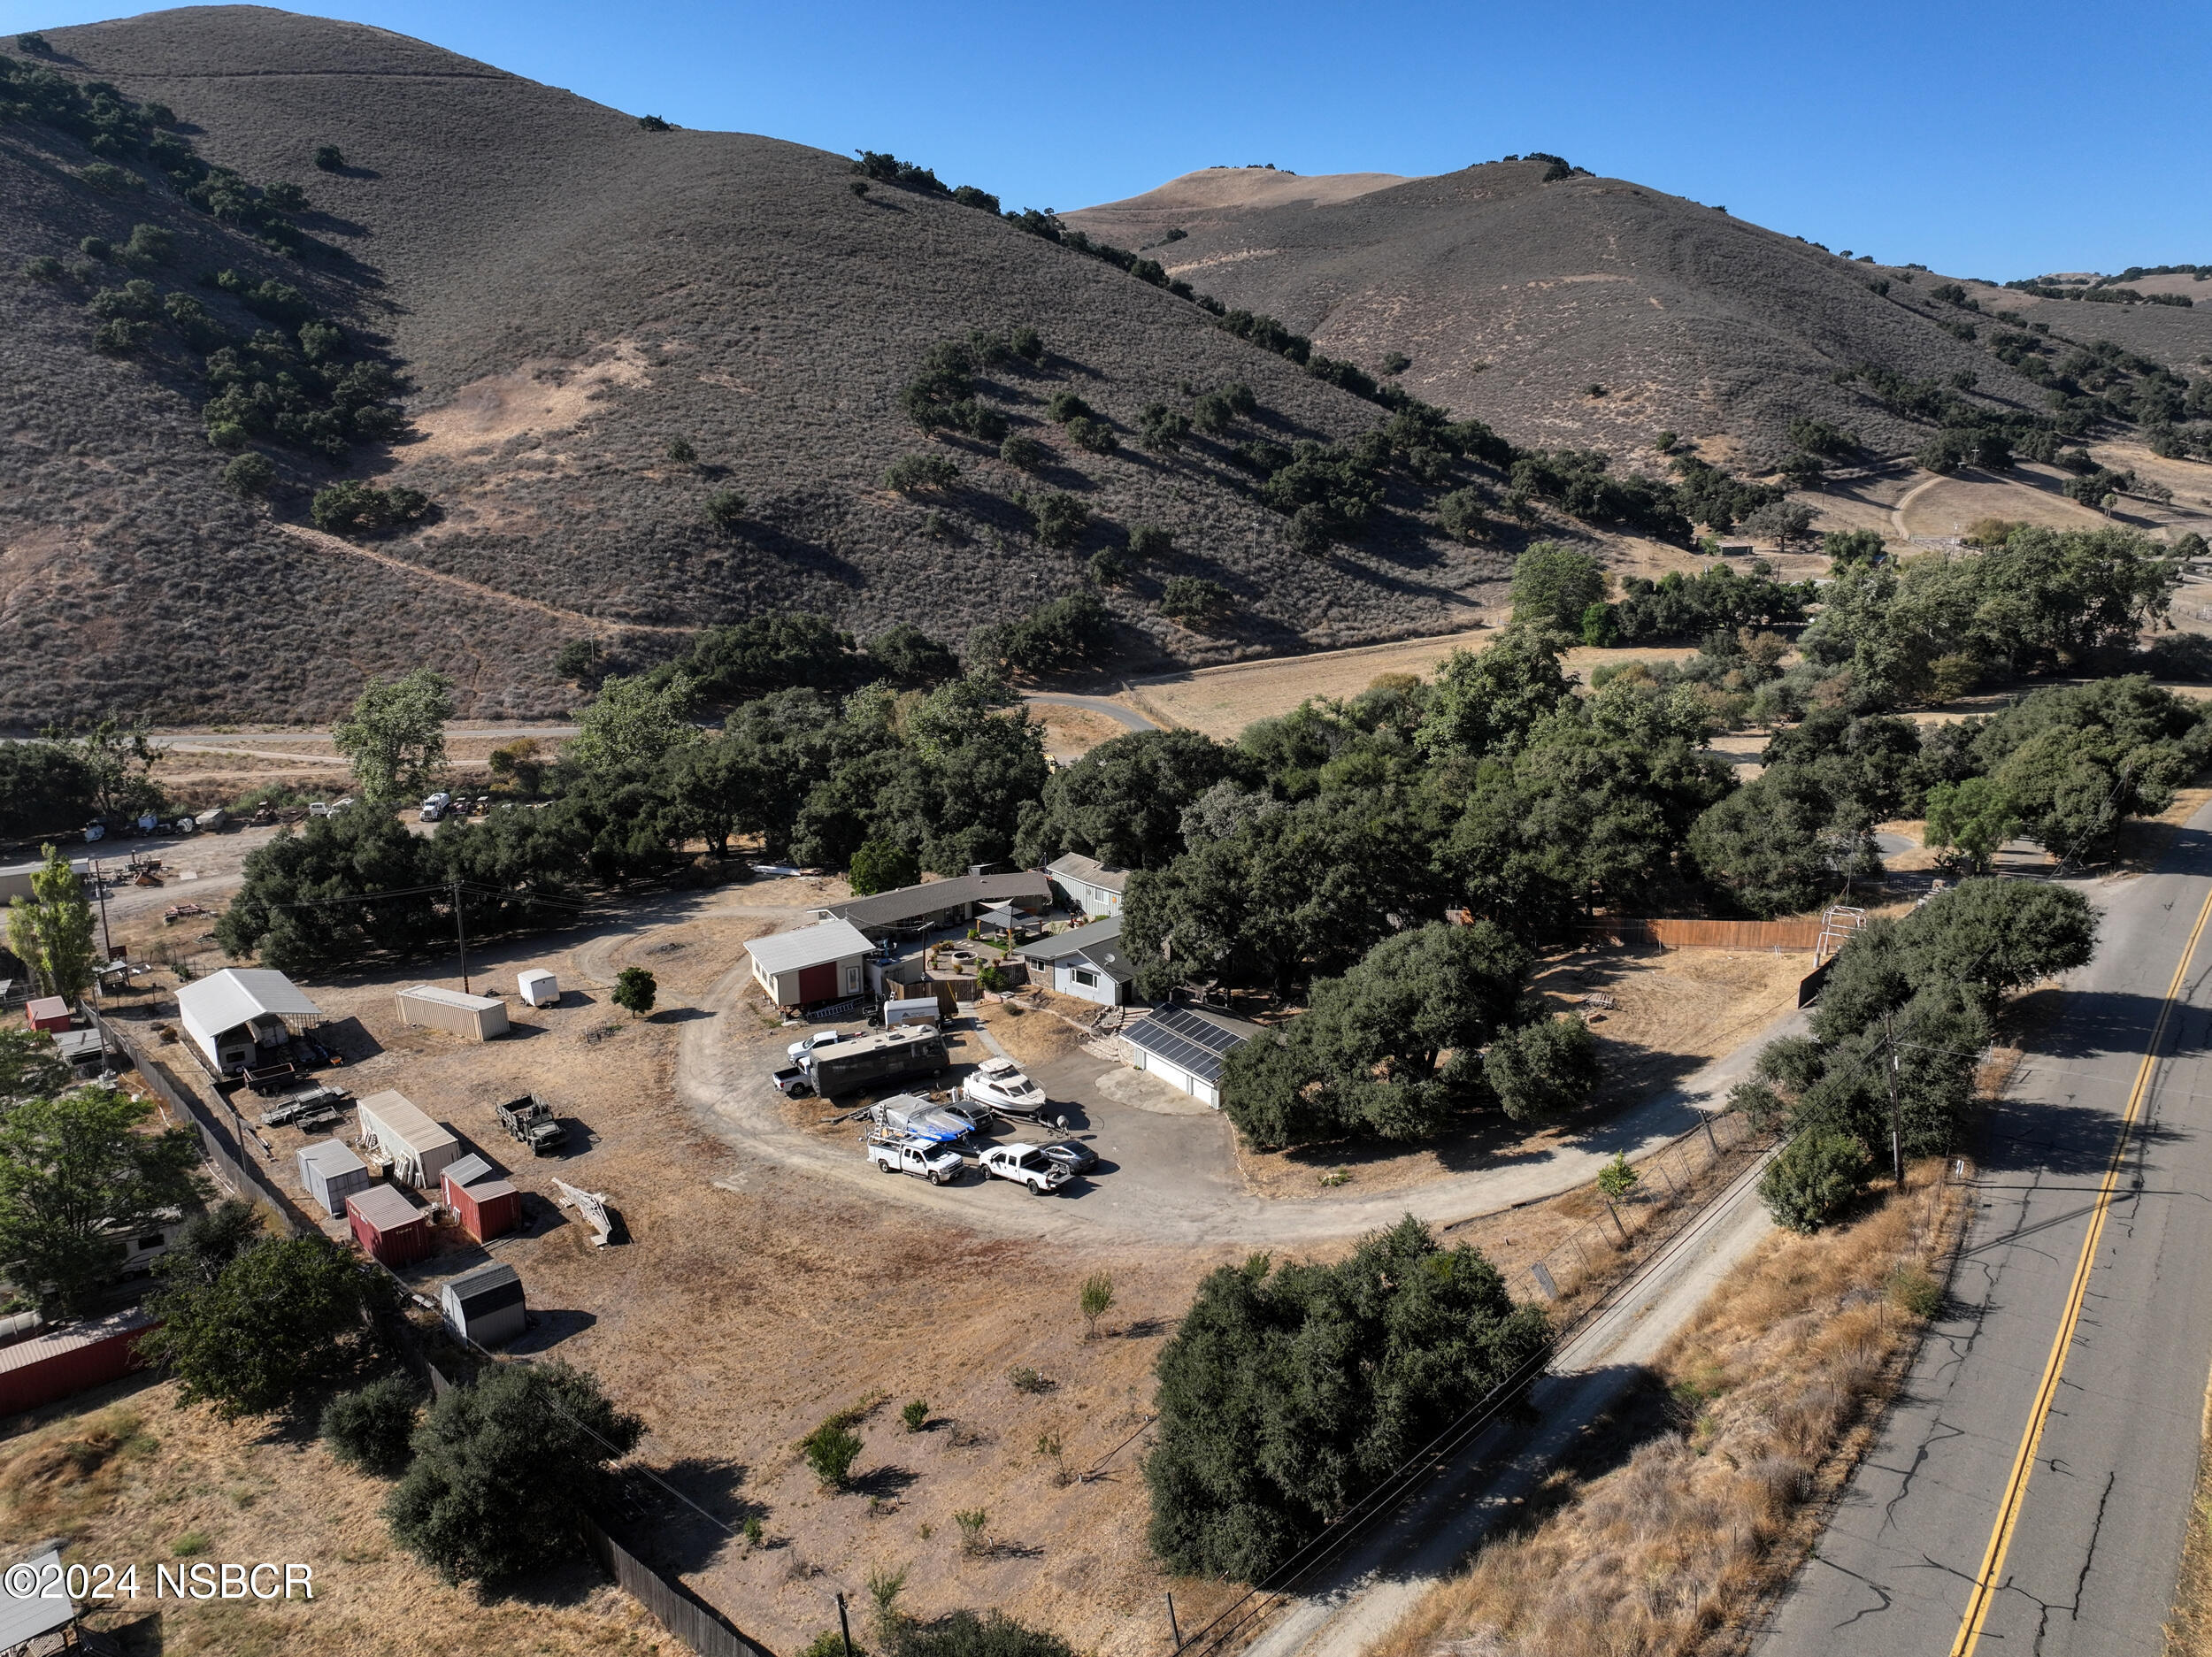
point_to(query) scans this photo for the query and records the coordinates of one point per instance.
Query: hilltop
(563, 296)
(1567, 309)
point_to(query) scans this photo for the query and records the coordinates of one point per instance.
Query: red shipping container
(489, 1208)
(63, 1363)
(388, 1225)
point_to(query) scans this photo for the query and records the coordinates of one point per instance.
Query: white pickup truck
(933, 1163)
(1025, 1165)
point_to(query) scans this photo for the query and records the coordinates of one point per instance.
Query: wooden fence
(1687, 934)
(682, 1613)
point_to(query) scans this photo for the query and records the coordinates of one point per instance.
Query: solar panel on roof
(1186, 1041)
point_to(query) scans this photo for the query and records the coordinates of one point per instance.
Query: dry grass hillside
(1513, 296)
(567, 294)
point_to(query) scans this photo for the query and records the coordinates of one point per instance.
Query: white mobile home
(229, 1016)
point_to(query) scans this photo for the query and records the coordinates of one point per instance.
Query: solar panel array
(1186, 1040)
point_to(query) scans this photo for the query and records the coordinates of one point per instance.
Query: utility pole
(1896, 1120)
(1173, 1627)
(460, 937)
(99, 885)
(844, 1628)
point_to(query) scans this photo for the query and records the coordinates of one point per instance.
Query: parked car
(319, 808)
(1025, 1165)
(805, 1044)
(1075, 1157)
(999, 1085)
(918, 1157)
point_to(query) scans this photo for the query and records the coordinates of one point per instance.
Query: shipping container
(389, 1226)
(330, 1173)
(74, 1359)
(486, 1305)
(486, 1205)
(478, 1017)
(420, 1149)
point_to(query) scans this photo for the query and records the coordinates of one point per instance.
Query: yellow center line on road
(2024, 1460)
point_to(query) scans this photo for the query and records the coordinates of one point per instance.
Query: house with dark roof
(1086, 884)
(1184, 1048)
(1084, 961)
(936, 903)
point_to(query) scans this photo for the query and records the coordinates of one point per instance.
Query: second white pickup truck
(1025, 1165)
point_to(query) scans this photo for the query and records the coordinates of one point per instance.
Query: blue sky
(1988, 141)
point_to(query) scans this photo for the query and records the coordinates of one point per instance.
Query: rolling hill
(1515, 287)
(563, 296)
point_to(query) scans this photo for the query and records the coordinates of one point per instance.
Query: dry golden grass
(2189, 1625)
(1770, 1390)
(141, 1480)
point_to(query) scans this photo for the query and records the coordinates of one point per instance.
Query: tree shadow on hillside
(669, 1530)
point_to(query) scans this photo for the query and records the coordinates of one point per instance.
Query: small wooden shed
(330, 1173)
(478, 1017)
(538, 987)
(48, 1012)
(420, 1149)
(486, 1205)
(389, 1226)
(486, 1305)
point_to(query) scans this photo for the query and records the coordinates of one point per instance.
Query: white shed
(1086, 884)
(332, 1173)
(1185, 1047)
(420, 1149)
(478, 1017)
(229, 1015)
(538, 987)
(486, 1305)
(815, 964)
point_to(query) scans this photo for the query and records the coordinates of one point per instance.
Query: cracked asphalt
(2094, 1554)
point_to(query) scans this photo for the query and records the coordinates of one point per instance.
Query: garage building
(811, 966)
(229, 1015)
(1185, 1047)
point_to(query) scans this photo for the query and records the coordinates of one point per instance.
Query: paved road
(1385, 1573)
(1126, 717)
(2083, 1307)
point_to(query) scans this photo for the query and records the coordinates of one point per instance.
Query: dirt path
(321, 542)
(1897, 512)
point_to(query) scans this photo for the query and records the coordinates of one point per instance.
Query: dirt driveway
(1168, 1175)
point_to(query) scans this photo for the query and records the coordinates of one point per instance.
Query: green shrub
(1460, 513)
(1396, 364)
(369, 1428)
(1060, 518)
(883, 866)
(830, 1450)
(94, 247)
(355, 508)
(654, 123)
(1542, 1069)
(1194, 600)
(725, 508)
(121, 337)
(1312, 529)
(1064, 406)
(108, 179)
(329, 159)
(35, 43)
(1028, 344)
(1815, 1178)
(1108, 567)
(1025, 452)
(636, 990)
(250, 475)
(911, 473)
(680, 451)
(1026, 1379)
(1162, 428)
(994, 1634)
(915, 1414)
(1149, 541)
(44, 268)
(1094, 435)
